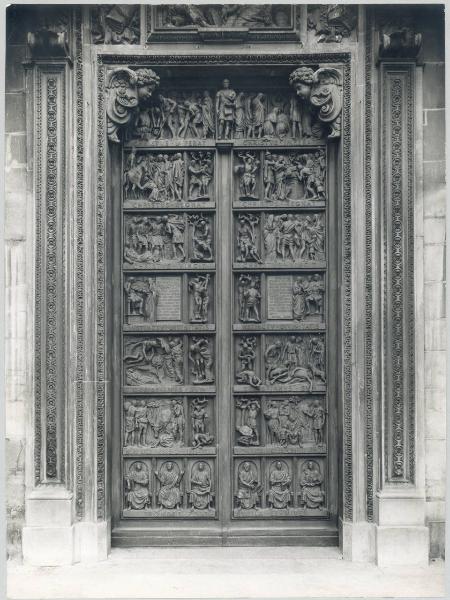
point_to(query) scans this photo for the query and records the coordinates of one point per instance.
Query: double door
(225, 423)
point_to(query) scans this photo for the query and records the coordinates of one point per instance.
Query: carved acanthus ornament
(322, 90)
(127, 89)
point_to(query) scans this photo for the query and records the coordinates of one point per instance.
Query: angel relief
(154, 239)
(154, 361)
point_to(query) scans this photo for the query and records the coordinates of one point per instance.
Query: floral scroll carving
(127, 89)
(321, 90)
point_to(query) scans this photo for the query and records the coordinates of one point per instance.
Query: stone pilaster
(400, 500)
(48, 534)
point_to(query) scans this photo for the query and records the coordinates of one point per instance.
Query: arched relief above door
(145, 107)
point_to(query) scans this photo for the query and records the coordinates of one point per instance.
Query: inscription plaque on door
(224, 244)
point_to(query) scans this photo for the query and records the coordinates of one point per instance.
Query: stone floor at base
(284, 572)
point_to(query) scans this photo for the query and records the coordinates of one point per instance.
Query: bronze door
(225, 409)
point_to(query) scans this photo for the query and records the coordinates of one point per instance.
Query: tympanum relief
(144, 111)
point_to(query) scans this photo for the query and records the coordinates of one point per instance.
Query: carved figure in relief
(169, 494)
(200, 175)
(200, 295)
(246, 239)
(247, 171)
(322, 91)
(226, 110)
(311, 175)
(317, 357)
(276, 124)
(307, 293)
(296, 116)
(247, 359)
(247, 421)
(311, 480)
(202, 362)
(137, 492)
(249, 299)
(207, 115)
(257, 116)
(154, 361)
(319, 416)
(269, 176)
(199, 416)
(249, 488)
(240, 116)
(332, 22)
(129, 424)
(142, 298)
(115, 24)
(190, 118)
(287, 236)
(174, 228)
(279, 495)
(201, 238)
(200, 495)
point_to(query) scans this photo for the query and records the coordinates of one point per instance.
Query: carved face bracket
(127, 89)
(322, 91)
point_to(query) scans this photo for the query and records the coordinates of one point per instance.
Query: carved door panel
(225, 411)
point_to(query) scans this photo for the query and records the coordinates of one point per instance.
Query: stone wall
(17, 283)
(434, 272)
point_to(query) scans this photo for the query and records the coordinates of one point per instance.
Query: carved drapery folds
(322, 91)
(126, 90)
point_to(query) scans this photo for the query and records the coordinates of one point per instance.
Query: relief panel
(168, 360)
(169, 487)
(165, 240)
(279, 487)
(168, 424)
(280, 239)
(280, 177)
(168, 178)
(295, 423)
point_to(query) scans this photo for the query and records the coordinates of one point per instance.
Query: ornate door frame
(106, 64)
(68, 449)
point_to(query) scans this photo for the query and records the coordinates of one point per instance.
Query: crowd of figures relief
(165, 239)
(286, 237)
(157, 422)
(172, 177)
(290, 421)
(225, 114)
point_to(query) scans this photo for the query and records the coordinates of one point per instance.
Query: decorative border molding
(398, 193)
(100, 300)
(342, 58)
(79, 276)
(369, 350)
(50, 270)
